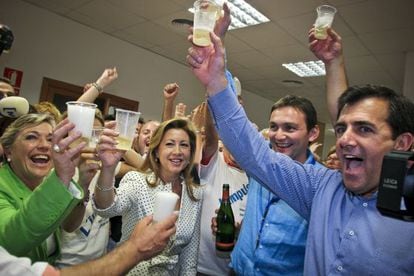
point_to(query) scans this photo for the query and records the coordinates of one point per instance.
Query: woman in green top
(34, 199)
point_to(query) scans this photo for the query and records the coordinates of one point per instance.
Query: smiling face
(30, 154)
(288, 132)
(363, 138)
(174, 153)
(144, 138)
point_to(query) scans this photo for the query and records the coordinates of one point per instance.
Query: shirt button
(260, 246)
(365, 204)
(267, 224)
(257, 269)
(339, 268)
(351, 233)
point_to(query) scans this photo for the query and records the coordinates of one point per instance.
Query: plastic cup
(324, 20)
(126, 122)
(164, 205)
(205, 15)
(96, 133)
(82, 115)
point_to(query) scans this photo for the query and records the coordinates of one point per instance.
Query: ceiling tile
(353, 47)
(258, 36)
(245, 75)
(165, 22)
(279, 9)
(394, 64)
(153, 33)
(287, 54)
(385, 42)
(235, 45)
(149, 9)
(377, 15)
(59, 6)
(51, 5)
(133, 38)
(250, 58)
(113, 16)
(93, 22)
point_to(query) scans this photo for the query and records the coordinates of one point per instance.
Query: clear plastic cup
(205, 15)
(324, 20)
(96, 133)
(126, 123)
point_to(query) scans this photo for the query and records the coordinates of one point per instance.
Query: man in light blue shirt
(347, 235)
(273, 236)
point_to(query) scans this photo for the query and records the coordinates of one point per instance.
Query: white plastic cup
(324, 20)
(205, 15)
(164, 205)
(126, 123)
(96, 133)
(82, 115)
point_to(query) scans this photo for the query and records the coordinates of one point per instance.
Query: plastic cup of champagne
(96, 133)
(324, 20)
(82, 115)
(164, 205)
(126, 122)
(205, 15)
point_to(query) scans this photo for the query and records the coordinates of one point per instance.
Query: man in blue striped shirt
(347, 234)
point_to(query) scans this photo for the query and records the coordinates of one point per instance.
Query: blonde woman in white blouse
(167, 167)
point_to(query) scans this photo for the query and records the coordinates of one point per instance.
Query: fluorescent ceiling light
(307, 69)
(242, 14)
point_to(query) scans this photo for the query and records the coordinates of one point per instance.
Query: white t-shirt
(90, 240)
(212, 177)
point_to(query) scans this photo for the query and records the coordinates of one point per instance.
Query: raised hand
(328, 49)
(171, 91)
(207, 64)
(106, 147)
(180, 111)
(66, 158)
(88, 166)
(149, 239)
(107, 77)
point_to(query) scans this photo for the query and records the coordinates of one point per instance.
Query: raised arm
(329, 51)
(170, 93)
(109, 156)
(93, 90)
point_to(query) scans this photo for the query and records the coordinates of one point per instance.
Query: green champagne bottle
(225, 226)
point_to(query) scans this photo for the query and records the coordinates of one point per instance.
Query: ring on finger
(56, 148)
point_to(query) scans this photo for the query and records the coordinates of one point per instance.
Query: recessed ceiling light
(242, 14)
(307, 69)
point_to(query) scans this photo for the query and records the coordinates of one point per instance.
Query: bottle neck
(225, 195)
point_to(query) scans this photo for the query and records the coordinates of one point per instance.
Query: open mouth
(40, 159)
(352, 161)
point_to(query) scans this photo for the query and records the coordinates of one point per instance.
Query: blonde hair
(48, 107)
(152, 163)
(23, 122)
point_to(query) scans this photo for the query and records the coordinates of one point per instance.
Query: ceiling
(376, 35)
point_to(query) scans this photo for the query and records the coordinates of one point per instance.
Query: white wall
(48, 45)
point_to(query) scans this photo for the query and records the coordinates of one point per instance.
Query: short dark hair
(400, 108)
(300, 103)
